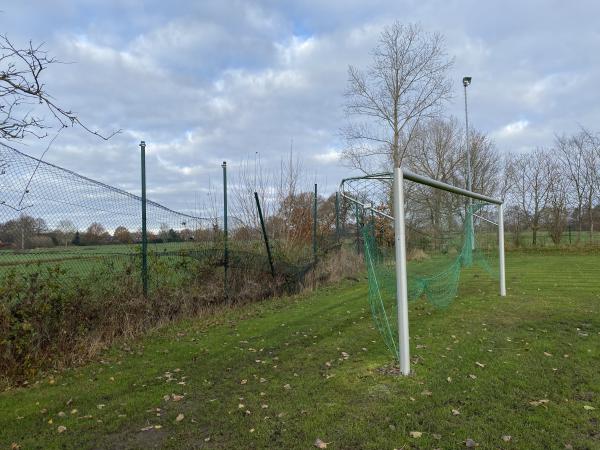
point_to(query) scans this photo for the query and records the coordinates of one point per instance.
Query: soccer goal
(419, 235)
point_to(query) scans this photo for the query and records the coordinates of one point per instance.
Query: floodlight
(466, 81)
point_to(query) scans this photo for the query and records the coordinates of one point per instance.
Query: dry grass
(418, 255)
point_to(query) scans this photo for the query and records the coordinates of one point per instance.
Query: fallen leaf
(426, 393)
(547, 354)
(588, 407)
(507, 438)
(15, 446)
(61, 429)
(287, 386)
(470, 443)
(449, 379)
(415, 434)
(455, 412)
(176, 397)
(479, 364)
(320, 444)
(179, 417)
(472, 376)
(539, 402)
(243, 381)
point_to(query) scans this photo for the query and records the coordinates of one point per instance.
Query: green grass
(542, 342)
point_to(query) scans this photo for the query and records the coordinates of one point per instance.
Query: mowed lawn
(521, 372)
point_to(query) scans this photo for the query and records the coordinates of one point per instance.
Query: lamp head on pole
(466, 81)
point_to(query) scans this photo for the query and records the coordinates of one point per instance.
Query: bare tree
(67, 230)
(405, 84)
(22, 90)
(248, 180)
(435, 152)
(592, 173)
(575, 155)
(531, 185)
(556, 213)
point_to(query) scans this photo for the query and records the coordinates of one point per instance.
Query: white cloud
(512, 129)
(329, 156)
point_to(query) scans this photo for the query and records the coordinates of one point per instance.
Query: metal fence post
(357, 232)
(144, 230)
(337, 216)
(264, 232)
(315, 225)
(225, 230)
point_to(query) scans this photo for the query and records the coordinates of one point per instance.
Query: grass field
(282, 373)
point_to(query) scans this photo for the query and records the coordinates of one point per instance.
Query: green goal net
(447, 238)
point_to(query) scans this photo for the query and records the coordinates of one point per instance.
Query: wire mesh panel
(445, 235)
(51, 217)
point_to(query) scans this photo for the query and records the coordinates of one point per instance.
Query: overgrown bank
(51, 320)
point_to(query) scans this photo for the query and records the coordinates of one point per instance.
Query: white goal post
(398, 177)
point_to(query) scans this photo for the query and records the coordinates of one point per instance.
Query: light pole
(467, 82)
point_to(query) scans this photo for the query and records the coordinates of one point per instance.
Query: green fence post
(264, 232)
(315, 225)
(225, 230)
(337, 216)
(357, 232)
(144, 230)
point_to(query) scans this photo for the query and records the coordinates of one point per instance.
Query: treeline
(290, 221)
(27, 232)
(553, 190)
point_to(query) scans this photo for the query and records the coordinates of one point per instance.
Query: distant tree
(578, 155)
(94, 233)
(21, 231)
(173, 236)
(531, 180)
(76, 239)
(66, 230)
(163, 232)
(556, 213)
(122, 235)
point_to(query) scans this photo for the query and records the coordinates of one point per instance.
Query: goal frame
(398, 177)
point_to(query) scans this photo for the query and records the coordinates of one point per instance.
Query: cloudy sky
(206, 81)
